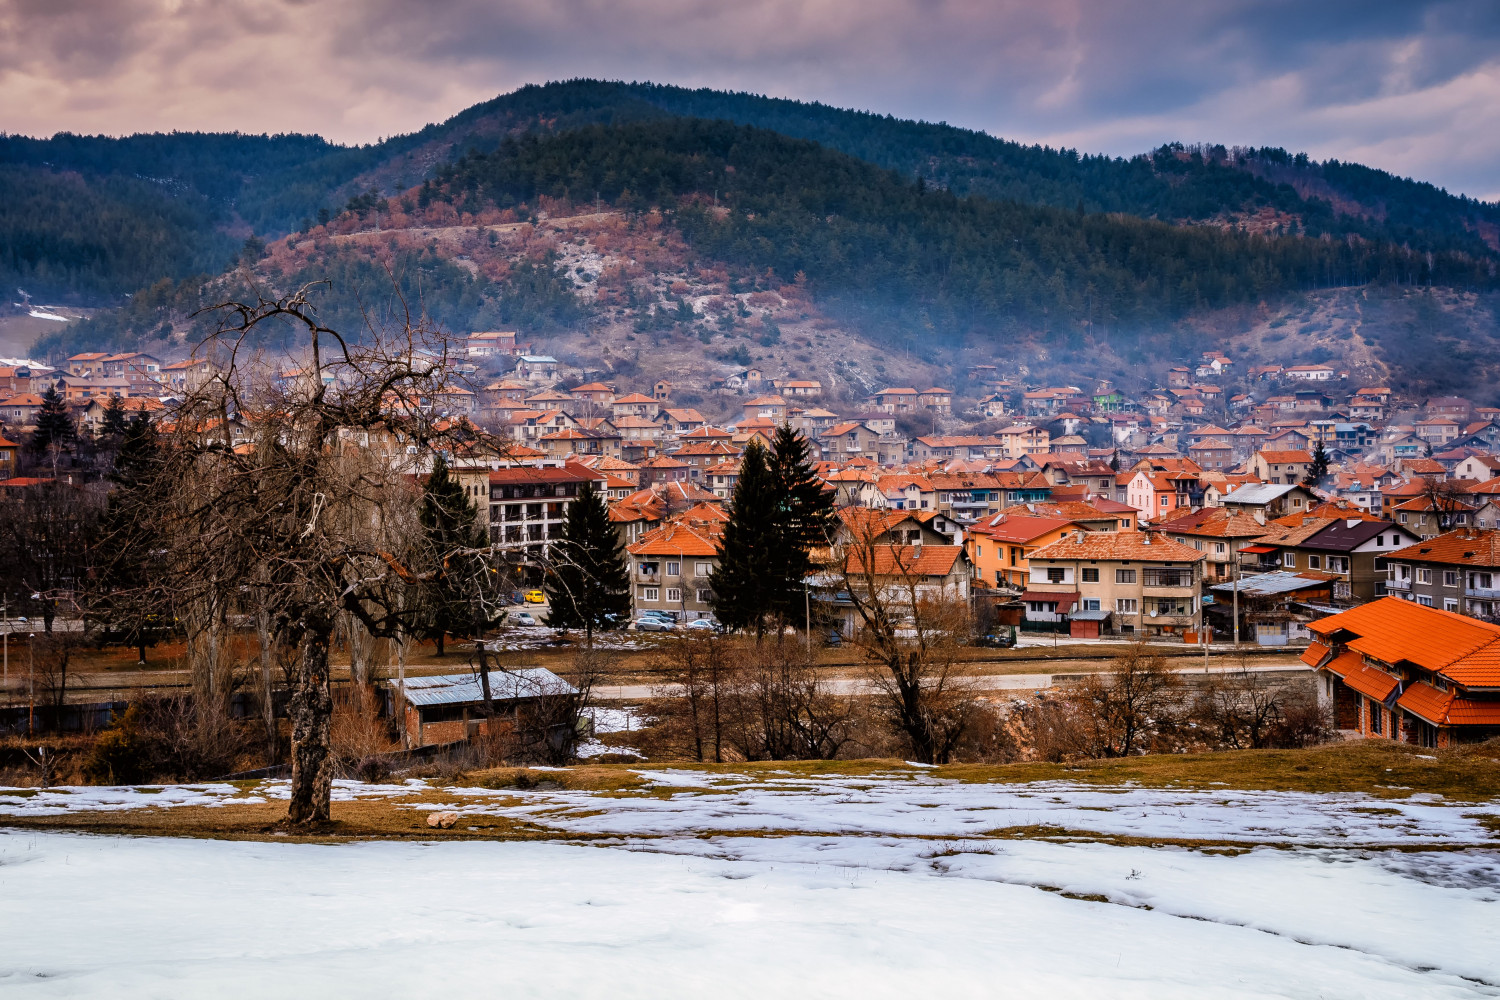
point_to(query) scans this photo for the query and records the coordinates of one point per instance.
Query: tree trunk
(484, 677)
(267, 700)
(312, 724)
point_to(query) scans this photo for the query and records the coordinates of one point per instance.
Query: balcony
(1398, 585)
(1483, 593)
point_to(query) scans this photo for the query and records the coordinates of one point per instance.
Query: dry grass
(1375, 767)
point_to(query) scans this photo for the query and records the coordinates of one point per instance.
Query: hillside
(893, 232)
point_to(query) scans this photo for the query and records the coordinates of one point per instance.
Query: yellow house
(999, 547)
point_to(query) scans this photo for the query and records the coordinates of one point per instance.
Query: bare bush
(1244, 709)
(1134, 708)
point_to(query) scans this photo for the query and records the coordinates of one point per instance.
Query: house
(1355, 550)
(664, 469)
(593, 392)
(868, 525)
(87, 365)
(187, 375)
(1457, 571)
(798, 388)
(772, 408)
(143, 371)
(1159, 495)
(1309, 373)
(8, 452)
(1000, 547)
(899, 400)
(1212, 453)
(1438, 431)
(1019, 440)
(1479, 468)
(1280, 466)
(1432, 513)
(936, 399)
(1220, 533)
(670, 567)
(1400, 671)
(635, 404)
(492, 343)
(900, 574)
(1129, 582)
(446, 708)
(20, 411)
(537, 368)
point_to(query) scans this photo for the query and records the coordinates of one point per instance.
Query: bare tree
(909, 629)
(291, 491)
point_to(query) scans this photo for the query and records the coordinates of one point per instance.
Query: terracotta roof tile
(1117, 545)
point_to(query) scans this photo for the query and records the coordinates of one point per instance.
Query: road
(981, 682)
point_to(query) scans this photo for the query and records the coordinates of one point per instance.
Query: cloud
(1410, 86)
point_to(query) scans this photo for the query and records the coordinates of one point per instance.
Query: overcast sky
(1411, 87)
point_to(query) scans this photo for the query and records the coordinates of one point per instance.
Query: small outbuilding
(449, 707)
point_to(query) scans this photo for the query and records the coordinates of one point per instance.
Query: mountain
(906, 234)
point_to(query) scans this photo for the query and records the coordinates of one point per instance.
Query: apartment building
(529, 504)
(1126, 581)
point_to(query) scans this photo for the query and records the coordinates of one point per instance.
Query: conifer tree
(589, 584)
(1319, 467)
(130, 599)
(112, 429)
(744, 582)
(54, 426)
(803, 518)
(451, 524)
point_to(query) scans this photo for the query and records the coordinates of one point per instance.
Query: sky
(1409, 86)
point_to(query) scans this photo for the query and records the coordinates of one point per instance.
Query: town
(1247, 507)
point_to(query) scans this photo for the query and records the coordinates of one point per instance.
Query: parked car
(535, 597)
(703, 625)
(523, 618)
(651, 623)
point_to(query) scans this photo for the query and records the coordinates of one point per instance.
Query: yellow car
(535, 597)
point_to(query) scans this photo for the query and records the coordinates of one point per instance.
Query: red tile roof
(1368, 681)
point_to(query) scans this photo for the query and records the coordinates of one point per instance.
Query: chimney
(1078, 537)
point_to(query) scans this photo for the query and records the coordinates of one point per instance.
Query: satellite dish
(1153, 612)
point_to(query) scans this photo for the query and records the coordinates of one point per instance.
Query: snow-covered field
(710, 885)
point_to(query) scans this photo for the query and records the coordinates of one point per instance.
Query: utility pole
(1236, 599)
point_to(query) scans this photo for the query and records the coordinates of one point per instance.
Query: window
(1172, 606)
(1338, 564)
(1125, 576)
(1125, 605)
(1450, 604)
(1481, 581)
(650, 594)
(674, 595)
(1289, 560)
(1314, 562)
(1450, 578)
(1163, 501)
(1219, 548)
(1090, 575)
(1424, 576)
(1167, 577)
(1375, 713)
(1054, 575)
(674, 569)
(705, 595)
(1424, 600)
(1091, 604)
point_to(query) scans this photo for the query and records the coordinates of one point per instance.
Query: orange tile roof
(1117, 545)
(1390, 630)
(676, 538)
(1287, 457)
(1368, 681)
(902, 560)
(1314, 653)
(1464, 547)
